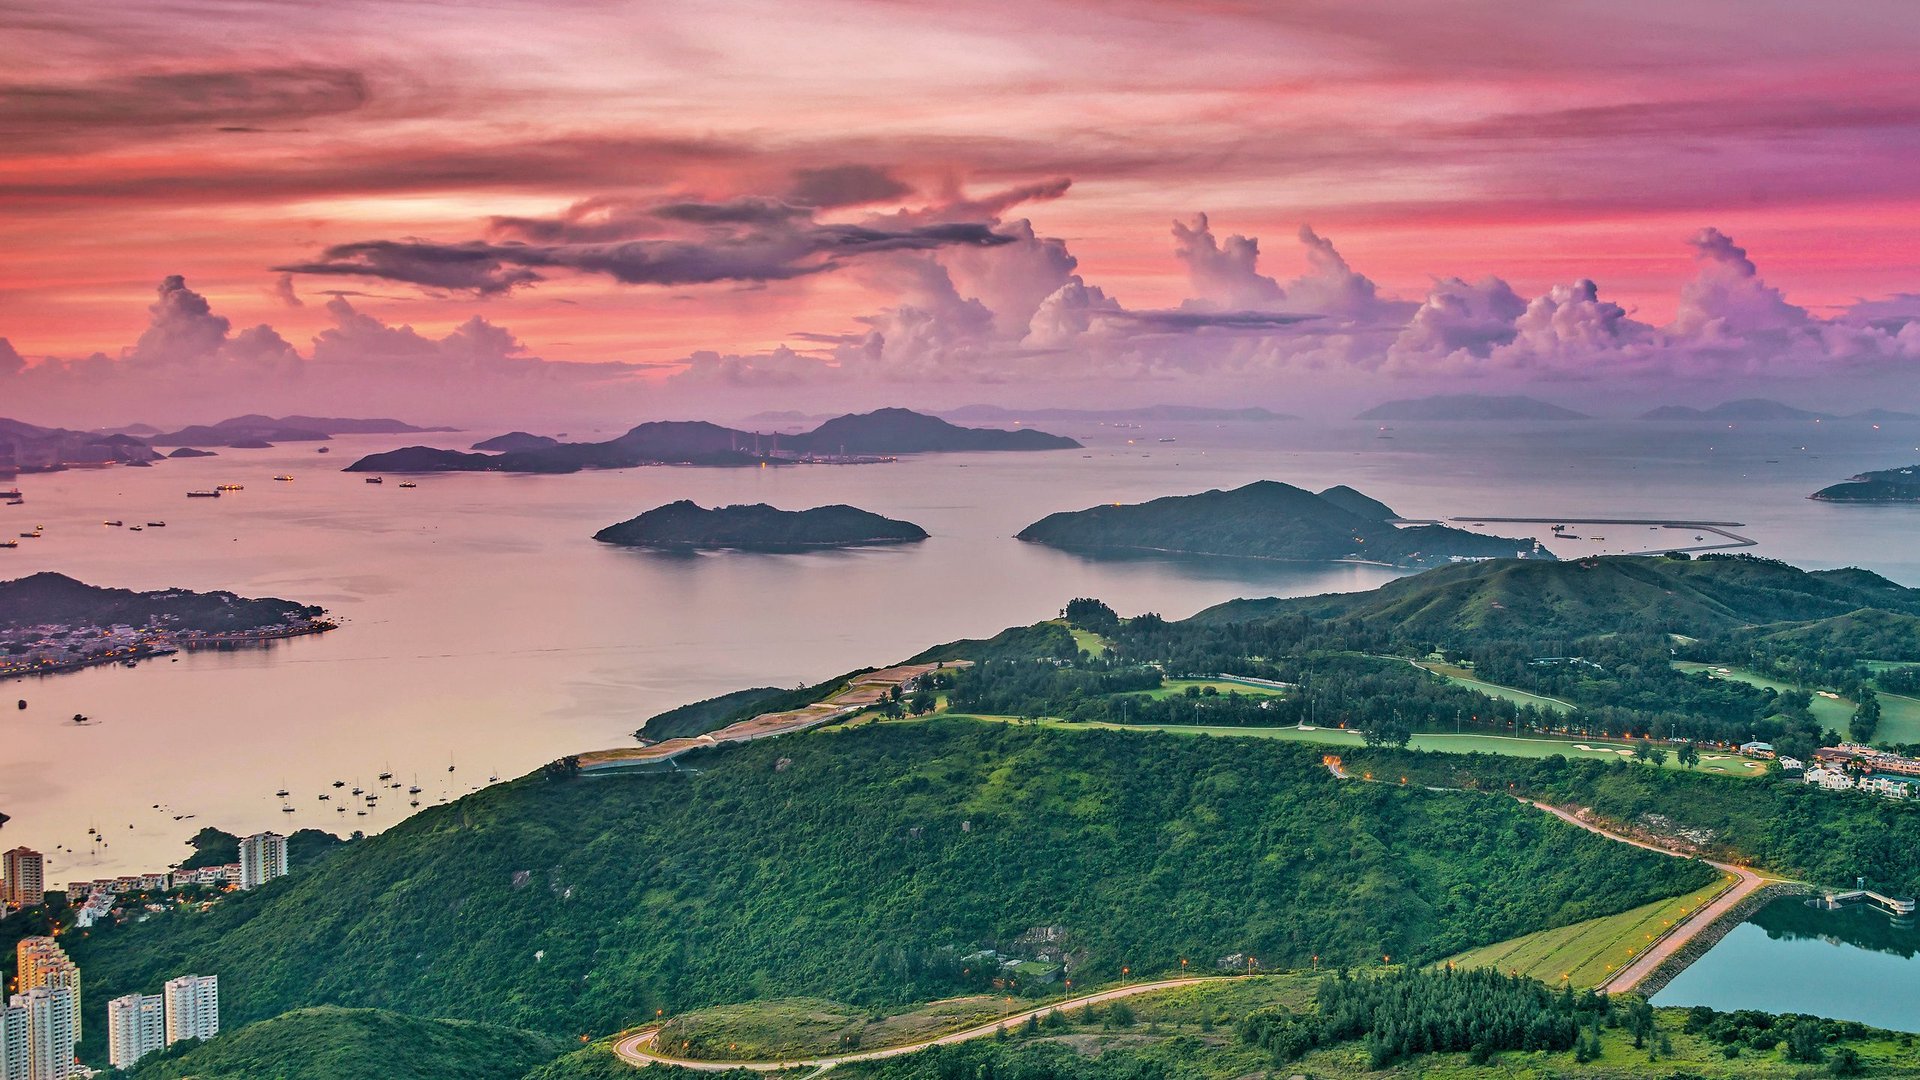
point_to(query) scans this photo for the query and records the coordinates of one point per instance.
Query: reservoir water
(1852, 964)
(483, 630)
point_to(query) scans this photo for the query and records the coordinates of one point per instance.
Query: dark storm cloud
(774, 253)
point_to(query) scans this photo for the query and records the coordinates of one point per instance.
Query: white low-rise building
(1829, 779)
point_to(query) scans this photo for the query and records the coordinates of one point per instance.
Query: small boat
(339, 809)
(134, 528)
(30, 536)
(284, 478)
(9, 543)
(408, 484)
(1169, 440)
(324, 797)
(286, 809)
(204, 494)
(361, 813)
(156, 524)
(339, 783)
(413, 802)
(282, 793)
(231, 487)
(376, 479)
(115, 523)
(414, 790)
(386, 776)
(357, 790)
(324, 450)
(13, 495)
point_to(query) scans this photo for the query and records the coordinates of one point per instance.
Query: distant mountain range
(30, 448)
(696, 442)
(1470, 407)
(685, 524)
(1271, 520)
(1766, 410)
(1883, 486)
(1146, 413)
(254, 430)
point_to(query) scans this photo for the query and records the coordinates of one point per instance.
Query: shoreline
(240, 640)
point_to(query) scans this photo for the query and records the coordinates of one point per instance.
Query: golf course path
(638, 1048)
(1745, 884)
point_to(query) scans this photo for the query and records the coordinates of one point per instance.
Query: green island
(1270, 520)
(1018, 865)
(687, 525)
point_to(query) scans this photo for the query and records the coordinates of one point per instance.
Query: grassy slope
(585, 905)
(1586, 953)
(356, 1044)
(1522, 746)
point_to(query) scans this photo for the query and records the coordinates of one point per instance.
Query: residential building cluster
(56, 646)
(138, 1024)
(41, 1021)
(1852, 767)
(263, 857)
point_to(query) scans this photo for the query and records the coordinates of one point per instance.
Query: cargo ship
(203, 494)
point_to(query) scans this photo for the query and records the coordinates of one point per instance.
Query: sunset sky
(728, 206)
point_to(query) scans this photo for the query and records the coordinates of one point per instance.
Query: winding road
(638, 1048)
(1746, 883)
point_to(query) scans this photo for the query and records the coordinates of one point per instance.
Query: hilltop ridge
(697, 442)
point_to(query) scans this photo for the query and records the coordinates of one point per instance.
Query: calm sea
(484, 632)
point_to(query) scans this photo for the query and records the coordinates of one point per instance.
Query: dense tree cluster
(1410, 1011)
(864, 866)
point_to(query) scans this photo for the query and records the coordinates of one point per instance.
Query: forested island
(851, 438)
(687, 525)
(50, 622)
(1271, 520)
(1883, 486)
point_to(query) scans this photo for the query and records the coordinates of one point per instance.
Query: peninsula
(687, 525)
(1883, 486)
(50, 622)
(1272, 520)
(851, 439)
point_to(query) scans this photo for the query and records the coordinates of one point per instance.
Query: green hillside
(329, 1043)
(1527, 598)
(859, 866)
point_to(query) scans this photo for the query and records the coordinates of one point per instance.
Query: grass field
(1833, 713)
(1586, 953)
(1087, 641)
(1899, 716)
(1464, 678)
(1178, 688)
(1530, 746)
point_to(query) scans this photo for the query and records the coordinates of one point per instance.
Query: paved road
(1642, 966)
(638, 1048)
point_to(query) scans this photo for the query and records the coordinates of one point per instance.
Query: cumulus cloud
(1223, 275)
(183, 334)
(1727, 307)
(11, 362)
